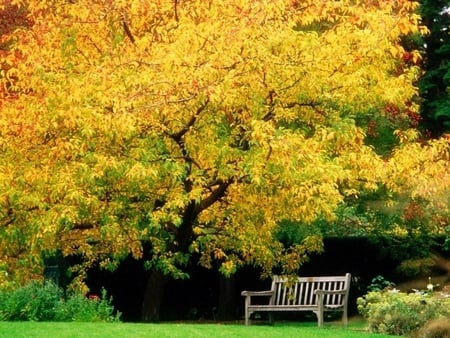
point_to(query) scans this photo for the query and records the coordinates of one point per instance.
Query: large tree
(193, 127)
(435, 83)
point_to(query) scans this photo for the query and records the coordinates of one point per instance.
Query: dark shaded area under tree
(207, 295)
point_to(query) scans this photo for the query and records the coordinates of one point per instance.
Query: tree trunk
(153, 296)
(227, 298)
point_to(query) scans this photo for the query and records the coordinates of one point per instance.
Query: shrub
(35, 301)
(81, 309)
(399, 313)
(379, 283)
(44, 301)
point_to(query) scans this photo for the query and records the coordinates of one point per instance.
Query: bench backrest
(300, 290)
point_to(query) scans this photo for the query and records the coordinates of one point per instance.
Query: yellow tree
(193, 126)
(420, 172)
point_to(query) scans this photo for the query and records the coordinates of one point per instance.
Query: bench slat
(295, 300)
(312, 296)
(301, 293)
(284, 299)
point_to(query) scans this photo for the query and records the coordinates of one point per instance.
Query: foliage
(412, 251)
(197, 126)
(410, 247)
(446, 245)
(44, 301)
(398, 313)
(91, 309)
(416, 266)
(435, 82)
(378, 283)
(36, 301)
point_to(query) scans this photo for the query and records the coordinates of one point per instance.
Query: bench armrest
(248, 298)
(257, 293)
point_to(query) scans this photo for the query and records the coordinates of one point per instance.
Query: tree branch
(178, 135)
(127, 30)
(215, 195)
(175, 10)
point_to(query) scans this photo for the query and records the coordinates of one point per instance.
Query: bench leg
(247, 313)
(319, 318)
(320, 310)
(344, 317)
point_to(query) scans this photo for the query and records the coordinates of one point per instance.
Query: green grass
(181, 330)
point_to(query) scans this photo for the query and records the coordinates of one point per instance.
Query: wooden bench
(317, 294)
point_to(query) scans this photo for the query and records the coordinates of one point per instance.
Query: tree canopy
(197, 126)
(435, 82)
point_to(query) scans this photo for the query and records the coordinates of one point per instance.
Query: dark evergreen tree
(435, 83)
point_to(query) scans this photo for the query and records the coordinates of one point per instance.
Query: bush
(81, 309)
(379, 283)
(398, 313)
(36, 301)
(44, 301)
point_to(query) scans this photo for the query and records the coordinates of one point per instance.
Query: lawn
(181, 330)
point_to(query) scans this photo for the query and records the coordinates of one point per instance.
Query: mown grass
(180, 330)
